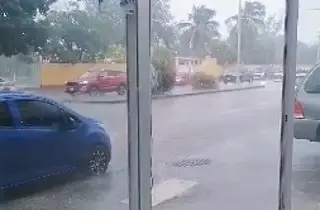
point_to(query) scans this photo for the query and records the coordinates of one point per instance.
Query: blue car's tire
(97, 160)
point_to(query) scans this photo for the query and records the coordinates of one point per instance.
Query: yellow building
(54, 75)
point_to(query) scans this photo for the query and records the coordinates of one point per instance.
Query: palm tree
(200, 29)
(252, 16)
(268, 36)
(162, 30)
(252, 21)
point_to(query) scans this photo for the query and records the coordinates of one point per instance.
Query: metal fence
(25, 73)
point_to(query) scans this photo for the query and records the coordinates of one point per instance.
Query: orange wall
(56, 74)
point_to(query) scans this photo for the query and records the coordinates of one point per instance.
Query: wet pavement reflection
(306, 169)
(237, 132)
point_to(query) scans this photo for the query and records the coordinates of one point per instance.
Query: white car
(299, 78)
(259, 76)
(277, 77)
(6, 85)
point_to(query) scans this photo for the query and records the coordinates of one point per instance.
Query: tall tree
(85, 31)
(223, 52)
(83, 34)
(162, 30)
(252, 20)
(200, 29)
(20, 30)
(306, 54)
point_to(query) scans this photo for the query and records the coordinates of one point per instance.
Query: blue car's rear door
(41, 128)
(15, 152)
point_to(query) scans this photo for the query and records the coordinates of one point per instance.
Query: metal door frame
(288, 83)
(139, 104)
(138, 30)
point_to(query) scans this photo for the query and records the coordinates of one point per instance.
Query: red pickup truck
(95, 83)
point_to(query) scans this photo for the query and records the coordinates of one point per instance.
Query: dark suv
(232, 77)
(307, 107)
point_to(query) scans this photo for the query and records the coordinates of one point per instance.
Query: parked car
(42, 138)
(246, 77)
(6, 84)
(232, 77)
(277, 77)
(229, 78)
(97, 82)
(299, 77)
(306, 107)
(259, 75)
(181, 79)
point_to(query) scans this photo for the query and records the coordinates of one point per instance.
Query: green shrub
(162, 61)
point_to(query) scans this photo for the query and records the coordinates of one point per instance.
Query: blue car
(40, 138)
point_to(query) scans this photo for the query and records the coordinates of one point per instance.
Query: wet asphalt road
(237, 131)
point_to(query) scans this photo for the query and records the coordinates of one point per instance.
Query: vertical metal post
(318, 53)
(38, 82)
(144, 100)
(132, 103)
(289, 68)
(239, 39)
(139, 102)
(318, 48)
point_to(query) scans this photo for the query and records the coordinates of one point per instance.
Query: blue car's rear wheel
(98, 161)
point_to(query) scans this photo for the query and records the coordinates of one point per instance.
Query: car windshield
(299, 79)
(159, 105)
(89, 74)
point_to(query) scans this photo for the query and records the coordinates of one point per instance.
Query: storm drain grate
(192, 162)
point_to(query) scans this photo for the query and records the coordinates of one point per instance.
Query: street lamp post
(138, 18)
(318, 40)
(286, 136)
(318, 53)
(318, 47)
(239, 39)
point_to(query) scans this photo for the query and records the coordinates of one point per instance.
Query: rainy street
(226, 144)
(214, 79)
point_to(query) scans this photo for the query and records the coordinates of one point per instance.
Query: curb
(157, 97)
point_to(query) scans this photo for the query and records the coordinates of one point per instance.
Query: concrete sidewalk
(176, 92)
(113, 98)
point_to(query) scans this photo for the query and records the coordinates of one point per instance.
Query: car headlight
(83, 88)
(101, 125)
(84, 82)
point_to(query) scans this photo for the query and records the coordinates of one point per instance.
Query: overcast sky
(309, 21)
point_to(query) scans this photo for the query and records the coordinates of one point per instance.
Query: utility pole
(289, 80)
(239, 39)
(138, 27)
(318, 37)
(318, 47)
